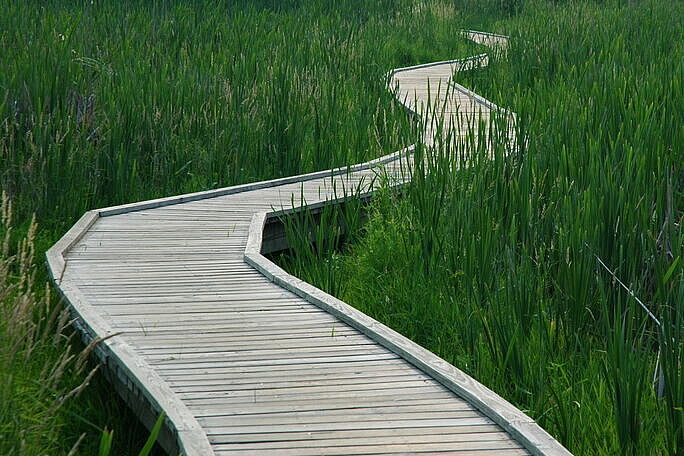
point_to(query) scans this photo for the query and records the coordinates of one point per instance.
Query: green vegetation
(554, 274)
(108, 437)
(105, 103)
(51, 396)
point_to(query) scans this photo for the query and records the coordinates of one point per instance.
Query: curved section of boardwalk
(246, 359)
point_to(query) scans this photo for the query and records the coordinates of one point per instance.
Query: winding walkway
(246, 359)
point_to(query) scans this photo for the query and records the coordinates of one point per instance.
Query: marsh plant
(104, 103)
(39, 371)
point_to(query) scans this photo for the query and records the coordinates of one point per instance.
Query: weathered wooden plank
(271, 296)
(376, 410)
(256, 396)
(189, 296)
(176, 254)
(350, 425)
(226, 406)
(228, 283)
(166, 302)
(264, 355)
(351, 340)
(159, 328)
(293, 369)
(292, 313)
(132, 272)
(295, 372)
(244, 382)
(273, 362)
(264, 352)
(211, 320)
(297, 379)
(341, 385)
(503, 449)
(347, 446)
(245, 335)
(160, 264)
(197, 308)
(223, 241)
(368, 437)
(367, 419)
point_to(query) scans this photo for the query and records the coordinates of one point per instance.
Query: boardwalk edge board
(138, 381)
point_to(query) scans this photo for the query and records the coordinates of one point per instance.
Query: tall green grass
(52, 398)
(104, 103)
(511, 268)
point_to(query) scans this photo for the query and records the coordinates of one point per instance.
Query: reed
(40, 372)
(495, 267)
(102, 104)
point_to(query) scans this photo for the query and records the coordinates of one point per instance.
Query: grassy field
(111, 102)
(103, 103)
(554, 274)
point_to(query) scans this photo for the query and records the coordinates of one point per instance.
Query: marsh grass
(500, 267)
(105, 103)
(51, 394)
(40, 371)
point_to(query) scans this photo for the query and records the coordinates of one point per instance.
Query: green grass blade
(106, 442)
(152, 439)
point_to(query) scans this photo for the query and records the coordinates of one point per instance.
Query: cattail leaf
(671, 270)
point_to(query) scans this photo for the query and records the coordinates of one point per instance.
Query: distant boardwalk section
(246, 359)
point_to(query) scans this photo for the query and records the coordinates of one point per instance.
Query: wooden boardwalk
(244, 358)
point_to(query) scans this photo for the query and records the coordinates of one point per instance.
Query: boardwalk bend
(246, 359)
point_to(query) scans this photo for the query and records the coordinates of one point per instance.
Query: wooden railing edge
(55, 255)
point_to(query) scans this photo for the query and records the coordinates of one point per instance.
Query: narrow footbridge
(244, 358)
